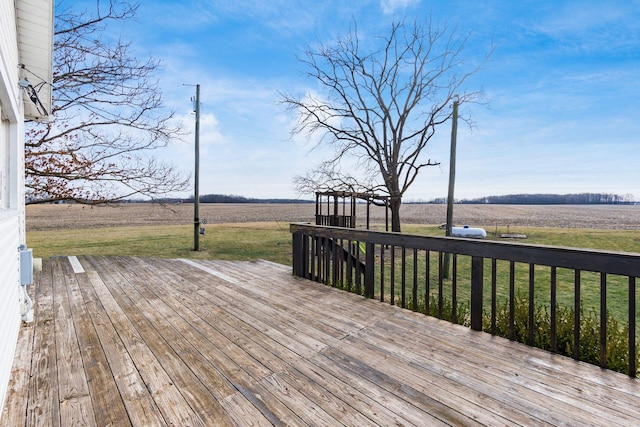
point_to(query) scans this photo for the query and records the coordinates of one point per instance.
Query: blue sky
(562, 90)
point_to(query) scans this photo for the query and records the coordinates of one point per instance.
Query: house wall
(9, 297)
(11, 191)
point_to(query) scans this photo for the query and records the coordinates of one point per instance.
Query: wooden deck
(144, 342)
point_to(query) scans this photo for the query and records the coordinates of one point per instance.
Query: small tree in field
(107, 115)
(380, 104)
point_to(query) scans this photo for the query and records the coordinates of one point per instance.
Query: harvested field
(48, 217)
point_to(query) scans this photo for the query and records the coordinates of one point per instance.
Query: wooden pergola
(338, 208)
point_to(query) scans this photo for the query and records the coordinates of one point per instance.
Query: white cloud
(390, 6)
(598, 27)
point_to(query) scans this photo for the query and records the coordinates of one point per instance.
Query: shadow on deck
(128, 341)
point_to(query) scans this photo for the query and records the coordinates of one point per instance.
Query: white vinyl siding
(10, 140)
(9, 296)
(4, 163)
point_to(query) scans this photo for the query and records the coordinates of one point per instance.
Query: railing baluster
(307, 245)
(322, 260)
(427, 287)
(358, 268)
(335, 260)
(494, 292)
(403, 290)
(382, 273)
(477, 282)
(512, 299)
(342, 259)
(392, 289)
(327, 259)
(603, 320)
(314, 254)
(369, 271)
(349, 272)
(454, 290)
(632, 327)
(440, 279)
(554, 326)
(415, 280)
(530, 322)
(576, 315)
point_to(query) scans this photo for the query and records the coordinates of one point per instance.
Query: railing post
(477, 279)
(300, 254)
(369, 270)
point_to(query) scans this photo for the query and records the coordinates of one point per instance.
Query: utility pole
(452, 179)
(196, 186)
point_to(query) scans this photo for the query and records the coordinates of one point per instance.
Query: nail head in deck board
(384, 365)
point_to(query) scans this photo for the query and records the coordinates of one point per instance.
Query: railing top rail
(620, 263)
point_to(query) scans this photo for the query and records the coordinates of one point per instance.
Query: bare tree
(381, 105)
(108, 117)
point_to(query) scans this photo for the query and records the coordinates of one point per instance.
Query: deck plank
(141, 409)
(15, 408)
(43, 405)
(559, 395)
(164, 370)
(108, 406)
(202, 385)
(75, 401)
(285, 341)
(131, 341)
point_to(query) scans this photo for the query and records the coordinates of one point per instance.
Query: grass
(244, 241)
(269, 240)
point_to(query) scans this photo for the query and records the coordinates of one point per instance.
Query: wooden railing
(346, 221)
(486, 277)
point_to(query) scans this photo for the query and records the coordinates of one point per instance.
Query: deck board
(150, 342)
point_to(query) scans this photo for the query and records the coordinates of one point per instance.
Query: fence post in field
(477, 273)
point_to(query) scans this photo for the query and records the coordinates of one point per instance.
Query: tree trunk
(395, 201)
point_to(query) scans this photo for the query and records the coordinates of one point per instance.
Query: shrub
(617, 334)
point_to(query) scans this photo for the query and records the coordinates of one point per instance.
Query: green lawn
(229, 242)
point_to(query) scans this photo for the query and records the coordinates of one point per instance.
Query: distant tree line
(511, 199)
(553, 199)
(219, 198)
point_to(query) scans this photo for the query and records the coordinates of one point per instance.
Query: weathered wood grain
(106, 399)
(150, 342)
(140, 407)
(42, 407)
(15, 408)
(75, 401)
